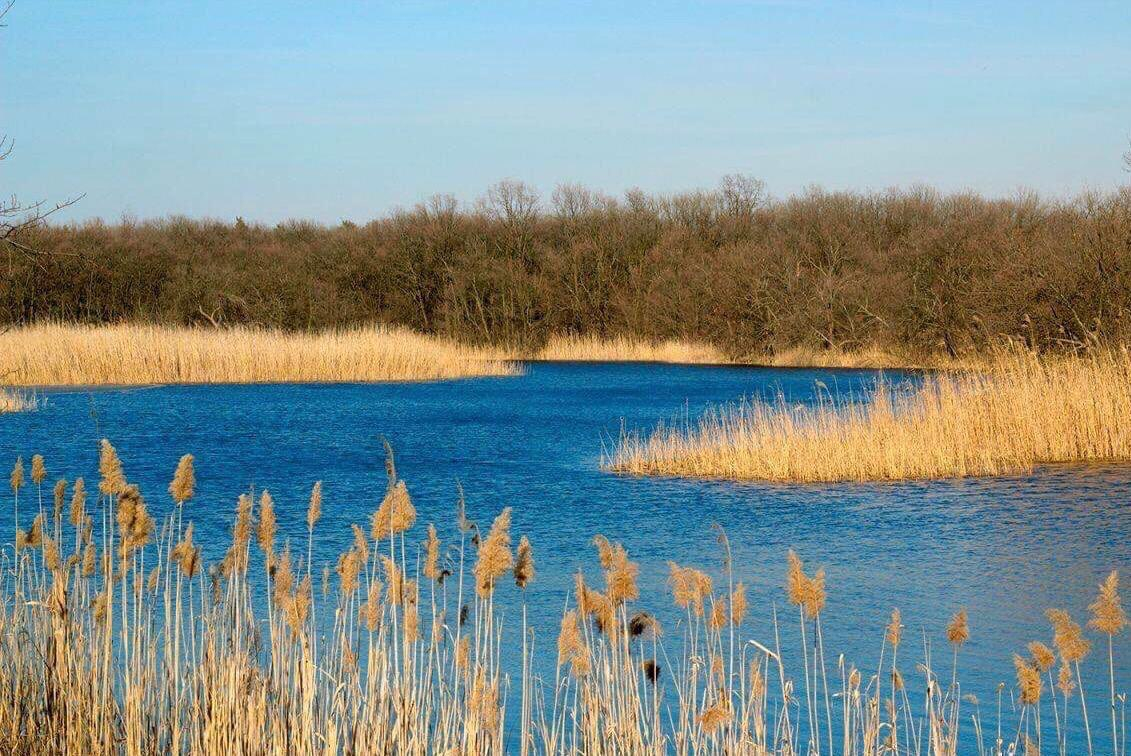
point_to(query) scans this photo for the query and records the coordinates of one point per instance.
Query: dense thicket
(908, 270)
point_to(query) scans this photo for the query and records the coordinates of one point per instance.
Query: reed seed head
(571, 645)
(495, 558)
(60, 496)
(113, 480)
(524, 563)
(958, 631)
(1028, 680)
(349, 567)
(35, 533)
(51, 554)
(802, 590)
(738, 604)
(620, 572)
(895, 629)
(1066, 636)
(38, 469)
(432, 554)
(78, 502)
(689, 586)
(314, 510)
(1043, 656)
(1064, 680)
(371, 610)
(396, 513)
(268, 523)
(17, 478)
(1107, 610)
(360, 543)
(183, 485)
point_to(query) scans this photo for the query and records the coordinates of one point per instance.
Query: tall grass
(57, 354)
(119, 638)
(625, 349)
(1023, 411)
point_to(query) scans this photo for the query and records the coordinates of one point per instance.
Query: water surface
(1003, 548)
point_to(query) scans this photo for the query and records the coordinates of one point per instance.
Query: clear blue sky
(340, 110)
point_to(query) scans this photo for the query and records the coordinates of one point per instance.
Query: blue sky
(346, 110)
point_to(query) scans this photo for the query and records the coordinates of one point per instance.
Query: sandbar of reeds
(135, 354)
(1023, 411)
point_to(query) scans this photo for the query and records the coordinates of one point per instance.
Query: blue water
(1005, 548)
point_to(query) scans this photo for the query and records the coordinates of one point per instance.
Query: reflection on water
(1006, 549)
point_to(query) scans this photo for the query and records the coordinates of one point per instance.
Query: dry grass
(623, 349)
(16, 401)
(52, 354)
(1022, 412)
(872, 357)
(118, 638)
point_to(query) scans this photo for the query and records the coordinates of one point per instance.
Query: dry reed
(1023, 411)
(155, 651)
(56, 354)
(569, 348)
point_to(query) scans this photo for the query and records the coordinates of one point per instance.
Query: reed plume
(183, 485)
(495, 558)
(958, 631)
(268, 524)
(432, 555)
(113, 480)
(524, 563)
(1029, 681)
(38, 469)
(314, 509)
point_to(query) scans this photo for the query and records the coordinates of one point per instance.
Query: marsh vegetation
(1022, 411)
(49, 354)
(119, 637)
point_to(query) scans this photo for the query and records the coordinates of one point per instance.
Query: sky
(337, 111)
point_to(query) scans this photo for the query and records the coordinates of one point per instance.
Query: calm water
(1005, 549)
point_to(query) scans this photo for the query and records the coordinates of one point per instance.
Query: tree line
(909, 270)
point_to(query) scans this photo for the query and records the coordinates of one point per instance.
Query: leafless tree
(17, 217)
(514, 202)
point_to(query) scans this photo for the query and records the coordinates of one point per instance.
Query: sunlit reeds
(150, 649)
(625, 349)
(1020, 412)
(55, 355)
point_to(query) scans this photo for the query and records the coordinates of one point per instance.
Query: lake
(1005, 548)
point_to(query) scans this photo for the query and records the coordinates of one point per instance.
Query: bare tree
(740, 195)
(514, 202)
(17, 217)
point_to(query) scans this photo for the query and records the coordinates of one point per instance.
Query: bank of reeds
(119, 637)
(136, 354)
(1020, 412)
(625, 349)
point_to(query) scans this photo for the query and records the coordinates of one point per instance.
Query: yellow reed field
(623, 349)
(56, 354)
(16, 401)
(1023, 411)
(119, 636)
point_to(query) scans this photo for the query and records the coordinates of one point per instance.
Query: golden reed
(120, 637)
(68, 355)
(1020, 412)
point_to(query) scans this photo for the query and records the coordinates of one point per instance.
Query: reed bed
(1023, 411)
(118, 637)
(135, 354)
(625, 349)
